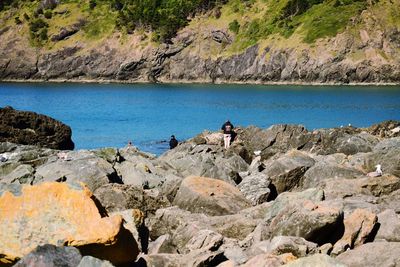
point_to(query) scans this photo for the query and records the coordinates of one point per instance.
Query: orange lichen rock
(60, 214)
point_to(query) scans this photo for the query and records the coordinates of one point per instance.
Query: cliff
(234, 42)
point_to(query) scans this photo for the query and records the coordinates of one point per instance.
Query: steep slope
(256, 41)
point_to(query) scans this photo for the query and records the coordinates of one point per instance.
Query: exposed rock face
(199, 55)
(29, 128)
(209, 196)
(61, 215)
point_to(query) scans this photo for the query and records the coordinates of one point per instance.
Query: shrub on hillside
(234, 26)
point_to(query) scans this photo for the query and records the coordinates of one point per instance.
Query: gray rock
(22, 174)
(117, 197)
(287, 171)
(320, 260)
(255, 188)
(89, 261)
(287, 198)
(205, 160)
(386, 153)
(377, 254)
(15, 189)
(276, 139)
(161, 245)
(390, 201)
(51, 256)
(327, 170)
(389, 226)
(278, 245)
(314, 222)
(209, 196)
(204, 239)
(137, 174)
(81, 166)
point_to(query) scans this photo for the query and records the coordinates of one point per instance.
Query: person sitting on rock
(227, 128)
(173, 142)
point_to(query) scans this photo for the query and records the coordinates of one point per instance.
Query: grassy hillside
(248, 21)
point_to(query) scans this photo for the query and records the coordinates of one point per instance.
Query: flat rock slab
(60, 214)
(209, 196)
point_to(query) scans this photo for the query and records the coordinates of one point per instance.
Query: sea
(111, 115)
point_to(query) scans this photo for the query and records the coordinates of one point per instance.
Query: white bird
(379, 169)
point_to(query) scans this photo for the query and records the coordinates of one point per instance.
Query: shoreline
(103, 81)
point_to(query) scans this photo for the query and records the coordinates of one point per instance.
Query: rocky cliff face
(369, 54)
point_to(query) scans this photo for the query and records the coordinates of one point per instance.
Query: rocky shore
(278, 196)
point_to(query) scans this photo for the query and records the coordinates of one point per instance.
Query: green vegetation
(38, 31)
(251, 21)
(163, 17)
(234, 26)
(313, 18)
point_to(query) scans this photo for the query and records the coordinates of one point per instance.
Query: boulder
(179, 224)
(316, 222)
(79, 166)
(255, 188)
(205, 160)
(61, 214)
(346, 140)
(376, 254)
(204, 239)
(276, 139)
(389, 226)
(390, 201)
(235, 226)
(297, 246)
(89, 261)
(51, 256)
(287, 171)
(22, 154)
(387, 154)
(209, 196)
(358, 227)
(319, 260)
(30, 128)
(379, 186)
(138, 173)
(117, 197)
(16, 173)
(369, 186)
(287, 198)
(269, 260)
(324, 169)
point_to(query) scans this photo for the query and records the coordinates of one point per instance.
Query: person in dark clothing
(227, 128)
(173, 142)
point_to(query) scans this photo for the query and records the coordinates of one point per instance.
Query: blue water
(104, 115)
